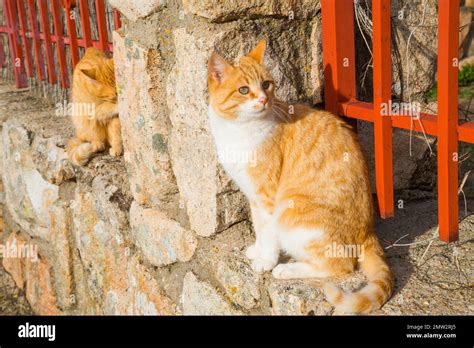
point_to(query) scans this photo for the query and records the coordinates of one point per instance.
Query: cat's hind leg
(114, 137)
(308, 246)
(94, 133)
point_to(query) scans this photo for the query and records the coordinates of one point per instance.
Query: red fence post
(338, 53)
(26, 40)
(382, 95)
(35, 35)
(14, 43)
(60, 50)
(102, 25)
(448, 55)
(48, 46)
(2, 55)
(71, 31)
(86, 25)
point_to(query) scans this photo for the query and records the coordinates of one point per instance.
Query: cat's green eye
(244, 90)
(266, 84)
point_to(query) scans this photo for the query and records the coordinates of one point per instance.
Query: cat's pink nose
(263, 99)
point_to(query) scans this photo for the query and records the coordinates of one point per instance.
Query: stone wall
(163, 229)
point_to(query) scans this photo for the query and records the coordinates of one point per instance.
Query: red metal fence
(340, 94)
(46, 37)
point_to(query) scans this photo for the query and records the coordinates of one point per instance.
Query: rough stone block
(51, 159)
(222, 11)
(297, 298)
(61, 256)
(137, 9)
(317, 72)
(404, 165)
(39, 287)
(224, 259)
(144, 122)
(415, 49)
(240, 283)
(200, 298)
(115, 279)
(14, 265)
(161, 240)
(28, 196)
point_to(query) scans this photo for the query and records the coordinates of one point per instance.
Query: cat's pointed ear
(259, 51)
(218, 67)
(90, 74)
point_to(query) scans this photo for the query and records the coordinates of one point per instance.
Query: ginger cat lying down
(308, 184)
(99, 125)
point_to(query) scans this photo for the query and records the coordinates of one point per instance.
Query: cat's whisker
(280, 115)
(282, 106)
(282, 112)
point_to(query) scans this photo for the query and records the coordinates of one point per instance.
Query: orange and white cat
(99, 125)
(307, 183)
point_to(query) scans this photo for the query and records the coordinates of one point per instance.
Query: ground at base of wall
(12, 299)
(431, 277)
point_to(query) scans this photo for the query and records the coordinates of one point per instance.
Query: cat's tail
(79, 151)
(373, 295)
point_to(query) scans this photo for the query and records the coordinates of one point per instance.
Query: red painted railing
(29, 37)
(340, 95)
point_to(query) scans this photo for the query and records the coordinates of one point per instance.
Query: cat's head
(101, 80)
(242, 91)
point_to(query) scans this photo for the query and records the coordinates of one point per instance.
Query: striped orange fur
(308, 184)
(94, 100)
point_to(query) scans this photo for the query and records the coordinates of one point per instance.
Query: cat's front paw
(115, 151)
(260, 264)
(252, 252)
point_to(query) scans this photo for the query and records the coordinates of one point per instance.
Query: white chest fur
(237, 144)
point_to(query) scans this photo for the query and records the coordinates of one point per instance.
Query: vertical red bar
(2, 55)
(102, 25)
(24, 35)
(85, 21)
(382, 96)
(71, 30)
(43, 7)
(338, 53)
(36, 40)
(60, 49)
(448, 55)
(14, 41)
(117, 21)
